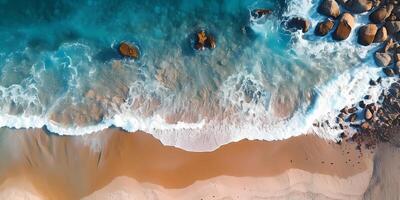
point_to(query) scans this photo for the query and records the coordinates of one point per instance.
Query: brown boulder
(346, 24)
(368, 114)
(381, 35)
(383, 59)
(298, 23)
(324, 27)
(366, 34)
(379, 15)
(365, 126)
(329, 8)
(359, 6)
(128, 50)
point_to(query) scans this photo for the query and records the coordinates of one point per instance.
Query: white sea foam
(243, 93)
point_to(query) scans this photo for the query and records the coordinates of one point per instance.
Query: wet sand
(65, 167)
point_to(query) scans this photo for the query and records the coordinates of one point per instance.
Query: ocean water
(60, 69)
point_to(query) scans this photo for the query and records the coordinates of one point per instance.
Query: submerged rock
(366, 34)
(346, 24)
(258, 13)
(379, 15)
(324, 27)
(128, 50)
(298, 23)
(329, 8)
(388, 71)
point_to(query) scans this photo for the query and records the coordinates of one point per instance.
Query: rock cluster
(204, 40)
(384, 28)
(384, 123)
(259, 13)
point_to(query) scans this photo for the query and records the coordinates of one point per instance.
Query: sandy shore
(113, 163)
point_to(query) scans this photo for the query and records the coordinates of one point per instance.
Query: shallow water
(60, 69)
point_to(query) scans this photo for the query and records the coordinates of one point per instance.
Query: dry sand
(113, 163)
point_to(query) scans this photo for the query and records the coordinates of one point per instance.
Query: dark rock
(258, 13)
(345, 110)
(379, 80)
(352, 117)
(210, 42)
(383, 59)
(396, 68)
(346, 24)
(324, 27)
(298, 23)
(339, 120)
(379, 15)
(329, 8)
(128, 50)
(359, 6)
(366, 34)
(389, 46)
(367, 97)
(372, 82)
(392, 27)
(388, 71)
(381, 35)
(361, 104)
(352, 110)
(397, 57)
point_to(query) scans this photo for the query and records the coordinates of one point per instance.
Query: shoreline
(76, 166)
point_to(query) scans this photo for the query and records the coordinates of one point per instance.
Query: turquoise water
(60, 67)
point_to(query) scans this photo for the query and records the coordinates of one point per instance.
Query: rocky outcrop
(128, 50)
(366, 34)
(324, 27)
(346, 24)
(259, 13)
(381, 35)
(204, 40)
(329, 8)
(298, 23)
(379, 15)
